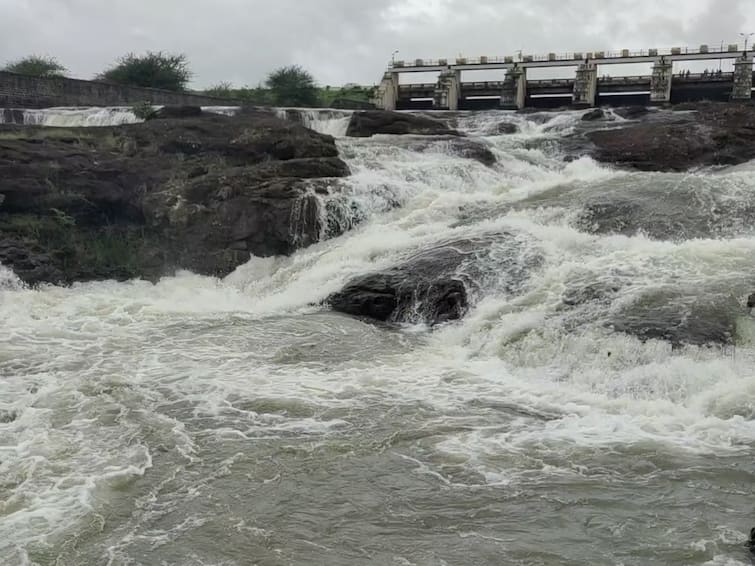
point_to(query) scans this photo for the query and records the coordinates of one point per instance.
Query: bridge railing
(569, 56)
(604, 79)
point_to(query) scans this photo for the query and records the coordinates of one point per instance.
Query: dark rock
(474, 150)
(199, 193)
(683, 213)
(632, 112)
(717, 134)
(592, 115)
(422, 289)
(681, 320)
(167, 112)
(505, 128)
(372, 122)
(438, 285)
(751, 301)
(462, 147)
(350, 104)
(7, 416)
(13, 116)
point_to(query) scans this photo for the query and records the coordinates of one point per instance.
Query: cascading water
(145, 424)
(82, 117)
(331, 122)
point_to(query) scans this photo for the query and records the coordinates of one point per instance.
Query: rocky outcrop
(372, 122)
(199, 192)
(717, 134)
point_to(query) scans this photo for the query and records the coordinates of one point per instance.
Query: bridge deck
(566, 60)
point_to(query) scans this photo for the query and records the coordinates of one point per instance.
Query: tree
(293, 86)
(221, 90)
(154, 69)
(36, 66)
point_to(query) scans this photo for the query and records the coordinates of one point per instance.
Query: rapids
(229, 422)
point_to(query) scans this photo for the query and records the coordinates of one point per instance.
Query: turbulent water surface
(208, 422)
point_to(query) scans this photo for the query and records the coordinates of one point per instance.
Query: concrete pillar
(742, 78)
(586, 85)
(448, 91)
(660, 82)
(386, 96)
(514, 95)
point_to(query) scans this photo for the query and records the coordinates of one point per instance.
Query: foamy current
(200, 421)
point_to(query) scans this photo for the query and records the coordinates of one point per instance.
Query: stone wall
(23, 91)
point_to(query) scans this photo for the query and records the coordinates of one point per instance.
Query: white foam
(193, 356)
(79, 117)
(330, 122)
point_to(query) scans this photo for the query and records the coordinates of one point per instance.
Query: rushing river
(208, 422)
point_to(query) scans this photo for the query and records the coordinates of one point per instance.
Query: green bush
(293, 86)
(153, 70)
(36, 66)
(143, 110)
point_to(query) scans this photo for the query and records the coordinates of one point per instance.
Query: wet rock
(632, 112)
(592, 115)
(504, 128)
(684, 212)
(439, 284)
(177, 112)
(7, 416)
(475, 150)
(13, 116)
(425, 288)
(717, 134)
(371, 122)
(751, 301)
(681, 320)
(200, 193)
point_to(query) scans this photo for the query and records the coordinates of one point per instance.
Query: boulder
(201, 193)
(439, 284)
(681, 319)
(371, 122)
(717, 134)
(459, 146)
(751, 301)
(504, 128)
(632, 112)
(424, 288)
(685, 212)
(592, 115)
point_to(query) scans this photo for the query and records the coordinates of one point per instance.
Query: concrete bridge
(590, 86)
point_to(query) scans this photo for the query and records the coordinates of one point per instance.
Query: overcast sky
(343, 41)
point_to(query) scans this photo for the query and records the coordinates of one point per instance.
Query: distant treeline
(286, 86)
(349, 96)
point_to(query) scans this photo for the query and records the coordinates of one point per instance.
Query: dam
(590, 85)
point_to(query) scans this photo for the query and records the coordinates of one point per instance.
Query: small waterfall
(222, 110)
(70, 117)
(8, 280)
(330, 122)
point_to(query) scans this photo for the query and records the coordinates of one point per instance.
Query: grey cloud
(348, 40)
